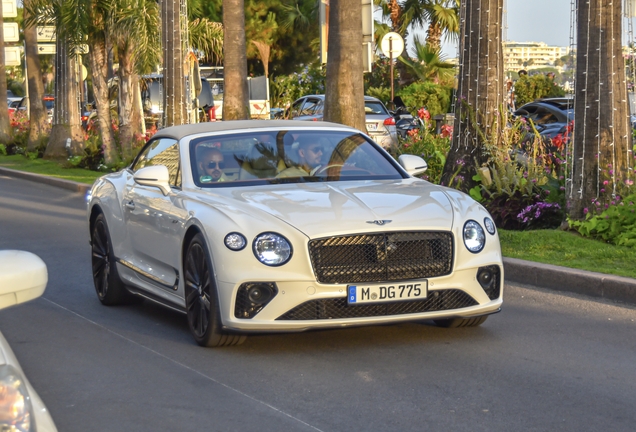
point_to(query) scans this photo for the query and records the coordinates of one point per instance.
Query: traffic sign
(46, 33)
(9, 8)
(12, 56)
(392, 45)
(46, 48)
(11, 32)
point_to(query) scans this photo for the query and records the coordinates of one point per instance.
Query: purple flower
(602, 190)
(585, 210)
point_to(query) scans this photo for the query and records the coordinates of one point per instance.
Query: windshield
(265, 157)
(373, 107)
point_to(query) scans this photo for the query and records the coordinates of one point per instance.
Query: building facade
(531, 55)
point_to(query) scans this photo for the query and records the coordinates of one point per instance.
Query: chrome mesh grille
(338, 307)
(382, 257)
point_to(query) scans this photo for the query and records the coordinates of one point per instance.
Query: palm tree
(429, 64)
(135, 33)
(4, 108)
(602, 146)
(235, 94)
(174, 95)
(344, 89)
(479, 91)
(38, 122)
(66, 134)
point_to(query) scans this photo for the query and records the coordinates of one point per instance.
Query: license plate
(372, 126)
(383, 293)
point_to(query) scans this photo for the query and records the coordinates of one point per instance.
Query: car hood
(323, 209)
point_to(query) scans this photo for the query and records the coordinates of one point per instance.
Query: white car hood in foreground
(322, 209)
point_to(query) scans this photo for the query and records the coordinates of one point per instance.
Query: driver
(211, 165)
(310, 152)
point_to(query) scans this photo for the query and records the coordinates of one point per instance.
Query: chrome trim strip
(147, 275)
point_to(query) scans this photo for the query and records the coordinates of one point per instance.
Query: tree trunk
(235, 93)
(38, 121)
(126, 98)
(5, 127)
(480, 97)
(434, 35)
(66, 135)
(174, 93)
(344, 89)
(99, 72)
(601, 147)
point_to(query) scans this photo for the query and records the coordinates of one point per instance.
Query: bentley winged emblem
(380, 221)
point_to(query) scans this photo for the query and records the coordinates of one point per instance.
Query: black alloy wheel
(201, 298)
(108, 285)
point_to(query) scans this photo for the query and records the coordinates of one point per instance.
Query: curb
(556, 278)
(82, 188)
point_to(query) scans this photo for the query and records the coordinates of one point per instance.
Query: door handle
(130, 205)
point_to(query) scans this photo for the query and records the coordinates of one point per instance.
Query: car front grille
(382, 257)
(338, 308)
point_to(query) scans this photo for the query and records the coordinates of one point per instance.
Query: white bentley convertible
(252, 226)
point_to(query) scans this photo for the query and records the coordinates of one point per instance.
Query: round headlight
(474, 237)
(490, 226)
(272, 249)
(235, 241)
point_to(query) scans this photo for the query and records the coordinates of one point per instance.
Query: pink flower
(585, 210)
(605, 183)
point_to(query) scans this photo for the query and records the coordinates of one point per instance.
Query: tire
(108, 285)
(461, 322)
(202, 305)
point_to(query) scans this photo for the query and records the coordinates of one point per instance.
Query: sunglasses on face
(315, 149)
(216, 165)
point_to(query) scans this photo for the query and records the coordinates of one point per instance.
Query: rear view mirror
(23, 277)
(156, 176)
(413, 165)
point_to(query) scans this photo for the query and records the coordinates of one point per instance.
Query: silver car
(380, 124)
(279, 226)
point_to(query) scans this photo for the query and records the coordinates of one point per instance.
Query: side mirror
(413, 165)
(155, 176)
(23, 277)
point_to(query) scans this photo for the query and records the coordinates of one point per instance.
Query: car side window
(162, 151)
(309, 107)
(544, 116)
(295, 110)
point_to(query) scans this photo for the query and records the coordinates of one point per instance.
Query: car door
(154, 221)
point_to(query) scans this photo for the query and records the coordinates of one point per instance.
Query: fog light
(489, 279)
(252, 297)
(259, 294)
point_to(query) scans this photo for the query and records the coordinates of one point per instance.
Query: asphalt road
(547, 362)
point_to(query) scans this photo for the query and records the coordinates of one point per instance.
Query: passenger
(310, 153)
(211, 165)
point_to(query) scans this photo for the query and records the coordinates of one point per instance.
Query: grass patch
(49, 168)
(568, 249)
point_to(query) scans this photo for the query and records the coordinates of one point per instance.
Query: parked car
(550, 115)
(152, 99)
(23, 105)
(268, 246)
(23, 277)
(380, 124)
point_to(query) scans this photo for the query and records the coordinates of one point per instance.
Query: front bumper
(298, 300)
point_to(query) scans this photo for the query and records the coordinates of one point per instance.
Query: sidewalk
(609, 287)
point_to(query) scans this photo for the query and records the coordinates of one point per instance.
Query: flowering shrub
(523, 186)
(429, 146)
(614, 223)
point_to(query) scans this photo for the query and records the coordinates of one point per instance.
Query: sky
(530, 21)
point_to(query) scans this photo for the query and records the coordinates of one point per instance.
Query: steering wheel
(323, 170)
